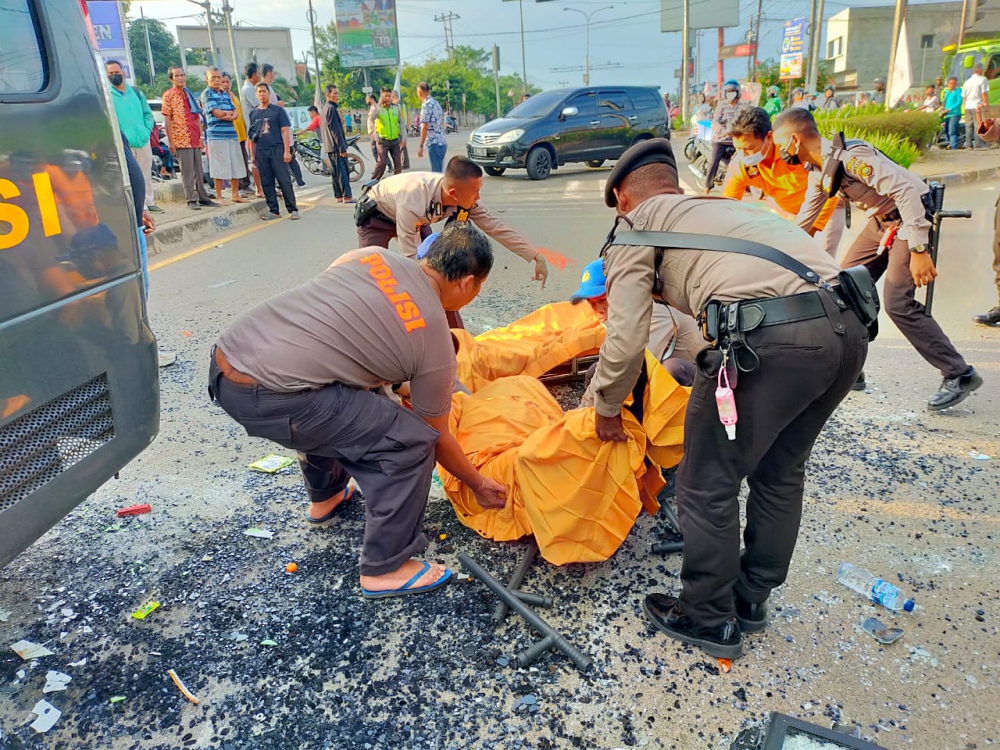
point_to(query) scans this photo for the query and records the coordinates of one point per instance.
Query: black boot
(860, 384)
(992, 318)
(752, 617)
(954, 391)
(723, 641)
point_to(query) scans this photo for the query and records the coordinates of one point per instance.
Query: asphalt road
(890, 487)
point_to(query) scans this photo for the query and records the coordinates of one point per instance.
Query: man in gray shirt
(308, 369)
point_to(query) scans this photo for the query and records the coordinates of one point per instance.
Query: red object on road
(135, 510)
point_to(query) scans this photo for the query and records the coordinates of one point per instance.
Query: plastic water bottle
(879, 591)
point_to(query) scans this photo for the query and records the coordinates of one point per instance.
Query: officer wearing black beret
(785, 348)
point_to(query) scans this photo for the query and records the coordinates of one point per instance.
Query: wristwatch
(919, 248)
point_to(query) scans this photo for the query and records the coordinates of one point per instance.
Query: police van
(79, 390)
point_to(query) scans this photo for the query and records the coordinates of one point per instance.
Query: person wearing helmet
(829, 101)
(674, 338)
(773, 104)
(800, 100)
(722, 141)
(879, 96)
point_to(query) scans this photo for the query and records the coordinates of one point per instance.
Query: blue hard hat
(425, 246)
(592, 283)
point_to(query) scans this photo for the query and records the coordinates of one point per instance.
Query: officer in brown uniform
(893, 200)
(405, 206)
(799, 349)
(989, 130)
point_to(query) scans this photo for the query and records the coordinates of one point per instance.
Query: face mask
(117, 79)
(732, 96)
(789, 158)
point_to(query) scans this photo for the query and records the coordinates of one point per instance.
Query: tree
(161, 43)
(769, 70)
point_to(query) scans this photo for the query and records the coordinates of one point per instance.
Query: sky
(626, 37)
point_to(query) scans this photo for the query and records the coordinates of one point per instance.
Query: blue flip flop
(351, 492)
(405, 588)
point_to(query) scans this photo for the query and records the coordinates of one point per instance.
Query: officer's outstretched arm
(629, 273)
(513, 241)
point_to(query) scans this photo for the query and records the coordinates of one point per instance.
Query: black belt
(748, 315)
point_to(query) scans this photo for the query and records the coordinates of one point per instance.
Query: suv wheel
(595, 163)
(494, 171)
(539, 163)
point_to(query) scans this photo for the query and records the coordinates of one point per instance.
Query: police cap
(653, 151)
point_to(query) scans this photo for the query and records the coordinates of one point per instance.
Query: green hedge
(902, 136)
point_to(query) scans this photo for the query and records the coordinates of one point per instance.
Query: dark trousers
(341, 176)
(718, 152)
(192, 174)
(996, 246)
(377, 231)
(805, 371)
(342, 432)
(245, 181)
(295, 169)
(386, 149)
(909, 315)
(272, 168)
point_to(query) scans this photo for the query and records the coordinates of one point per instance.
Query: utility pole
(311, 17)
(807, 68)
(586, 59)
(449, 33)
(524, 64)
(496, 75)
(813, 79)
(961, 24)
(207, 6)
(227, 11)
(149, 50)
(753, 72)
(720, 68)
(685, 57)
(896, 25)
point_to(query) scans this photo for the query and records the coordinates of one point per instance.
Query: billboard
(109, 29)
(707, 14)
(367, 35)
(792, 43)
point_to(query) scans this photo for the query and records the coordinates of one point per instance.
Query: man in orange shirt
(757, 165)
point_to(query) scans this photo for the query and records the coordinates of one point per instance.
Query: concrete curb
(191, 231)
(170, 191)
(961, 178)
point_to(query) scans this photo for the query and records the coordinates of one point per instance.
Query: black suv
(589, 124)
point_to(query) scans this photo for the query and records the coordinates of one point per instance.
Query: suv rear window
(22, 61)
(614, 101)
(645, 98)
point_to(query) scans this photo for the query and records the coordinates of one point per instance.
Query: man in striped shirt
(225, 160)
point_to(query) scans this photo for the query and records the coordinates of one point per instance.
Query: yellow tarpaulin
(578, 495)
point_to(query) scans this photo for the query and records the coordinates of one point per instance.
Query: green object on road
(268, 643)
(117, 699)
(271, 463)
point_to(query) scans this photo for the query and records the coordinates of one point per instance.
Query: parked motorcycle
(703, 158)
(310, 151)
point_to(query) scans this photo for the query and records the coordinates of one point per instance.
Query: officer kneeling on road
(307, 368)
(787, 346)
(893, 242)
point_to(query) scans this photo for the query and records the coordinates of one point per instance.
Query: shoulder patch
(859, 168)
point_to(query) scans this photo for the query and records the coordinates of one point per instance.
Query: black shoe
(954, 391)
(211, 203)
(992, 318)
(751, 617)
(723, 641)
(300, 184)
(860, 384)
(193, 205)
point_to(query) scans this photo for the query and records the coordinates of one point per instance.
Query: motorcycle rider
(773, 104)
(722, 141)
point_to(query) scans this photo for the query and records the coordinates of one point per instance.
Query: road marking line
(216, 242)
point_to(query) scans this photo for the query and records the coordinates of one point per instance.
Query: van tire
(595, 163)
(539, 163)
(494, 171)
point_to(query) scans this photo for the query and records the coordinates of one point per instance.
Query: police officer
(893, 242)
(405, 206)
(989, 129)
(800, 351)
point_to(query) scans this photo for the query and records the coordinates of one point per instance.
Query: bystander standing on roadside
(952, 111)
(136, 121)
(829, 102)
(270, 134)
(249, 102)
(405, 119)
(349, 123)
(390, 128)
(183, 120)
(974, 93)
(335, 145)
(225, 160)
(241, 132)
(372, 103)
(431, 128)
(268, 76)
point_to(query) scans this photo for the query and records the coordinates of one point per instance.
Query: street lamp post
(586, 59)
(311, 17)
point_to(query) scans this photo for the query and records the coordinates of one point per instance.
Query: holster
(364, 210)
(857, 289)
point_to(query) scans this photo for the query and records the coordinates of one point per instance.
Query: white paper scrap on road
(5, 615)
(48, 715)
(56, 681)
(259, 533)
(28, 650)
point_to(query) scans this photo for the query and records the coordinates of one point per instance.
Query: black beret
(653, 151)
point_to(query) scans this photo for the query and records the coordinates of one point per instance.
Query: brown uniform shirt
(373, 318)
(413, 200)
(876, 184)
(691, 278)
